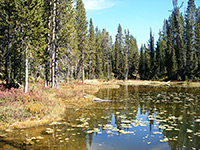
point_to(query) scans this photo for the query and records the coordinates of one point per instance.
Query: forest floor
(42, 105)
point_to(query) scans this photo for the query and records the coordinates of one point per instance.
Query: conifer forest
(54, 41)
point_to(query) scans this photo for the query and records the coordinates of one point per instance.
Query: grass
(117, 83)
(41, 105)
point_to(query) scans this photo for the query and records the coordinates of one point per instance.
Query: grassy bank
(41, 105)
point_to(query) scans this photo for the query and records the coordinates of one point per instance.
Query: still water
(137, 117)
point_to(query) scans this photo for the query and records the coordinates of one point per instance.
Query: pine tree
(127, 53)
(116, 58)
(67, 40)
(147, 63)
(81, 34)
(160, 55)
(197, 36)
(106, 51)
(8, 40)
(119, 55)
(190, 38)
(46, 56)
(171, 63)
(142, 64)
(177, 32)
(32, 38)
(152, 55)
(98, 55)
(91, 45)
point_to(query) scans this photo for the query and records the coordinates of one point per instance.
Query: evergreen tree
(147, 63)
(190, 38)
(134, 58)
(197, 36)
(106, 50)
(46, 56)
(131, 55)
(152, 55)
(142, 64)
(171, 63)
(119, 55)
(127, 53)
(160, 55)
(67, 40)
(81, 28)
(32, 25)
(98, 55)
(91, 45)
(177, 32)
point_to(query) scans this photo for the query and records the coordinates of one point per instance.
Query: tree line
(176, 55)
(53, 40)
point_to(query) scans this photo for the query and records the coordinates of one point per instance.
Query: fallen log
(101, 100)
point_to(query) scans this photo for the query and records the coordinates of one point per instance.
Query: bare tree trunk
(108, 66)
(53, 46)
(90, 68)
(26, 73)
(127, 67)
(68, 75)
(83, 71)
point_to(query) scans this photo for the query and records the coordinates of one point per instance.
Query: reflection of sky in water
(172, 115)
(142, 139)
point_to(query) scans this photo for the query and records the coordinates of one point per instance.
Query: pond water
(137, 117)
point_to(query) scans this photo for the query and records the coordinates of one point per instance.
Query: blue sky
(136, 15)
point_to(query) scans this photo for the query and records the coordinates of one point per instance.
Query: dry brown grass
(116, 83)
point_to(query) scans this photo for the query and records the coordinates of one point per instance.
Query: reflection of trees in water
(171, 107)
(182, 103)
(177, 113)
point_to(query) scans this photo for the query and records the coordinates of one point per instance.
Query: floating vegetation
(164, 140)
(189, 131)
(49, 130)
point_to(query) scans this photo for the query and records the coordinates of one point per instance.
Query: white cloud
(98, 4)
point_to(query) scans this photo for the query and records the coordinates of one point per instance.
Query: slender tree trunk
(7, 53)
(127, 67)
(26, 73)
(90, 65)
(53, 46)
(68, 73)
(108, 67)
(78, 66)
(83, 69)
(46, 74)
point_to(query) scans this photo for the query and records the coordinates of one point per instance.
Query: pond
(136, 117)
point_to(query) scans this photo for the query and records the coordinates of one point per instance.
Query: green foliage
(141, 64)
(55, 34)
(81, 28)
